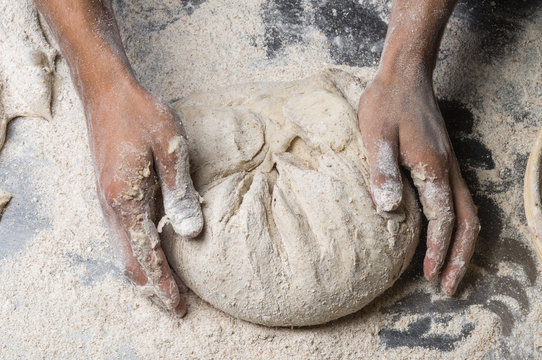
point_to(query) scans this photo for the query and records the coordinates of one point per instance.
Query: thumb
(385, 177)
(181, 200)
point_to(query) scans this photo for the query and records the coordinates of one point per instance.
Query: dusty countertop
(61, 293)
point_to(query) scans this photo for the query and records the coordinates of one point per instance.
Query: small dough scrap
(4, 201)
(26, 65)
(291, 235)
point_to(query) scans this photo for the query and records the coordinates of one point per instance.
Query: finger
(437, 201)
(129, 200)
(144, 265)
(145, 247)
(385, 177)
(181, 200)
(133, 269)
(466, 233)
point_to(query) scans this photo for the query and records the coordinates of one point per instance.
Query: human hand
(137, 143)
(139, 148)
(401, 124)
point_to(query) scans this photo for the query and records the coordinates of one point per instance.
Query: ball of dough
(291, 234)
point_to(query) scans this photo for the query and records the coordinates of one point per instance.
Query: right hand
(139, 147)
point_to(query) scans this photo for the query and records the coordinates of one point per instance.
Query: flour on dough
(4, 201)
(291, 237)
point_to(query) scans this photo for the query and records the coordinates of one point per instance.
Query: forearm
(87, 34)
(413, 38)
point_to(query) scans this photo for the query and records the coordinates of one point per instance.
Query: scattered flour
(56, 299)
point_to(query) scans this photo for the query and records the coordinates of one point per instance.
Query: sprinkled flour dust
(63, 295)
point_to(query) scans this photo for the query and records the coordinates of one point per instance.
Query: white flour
(55, 302)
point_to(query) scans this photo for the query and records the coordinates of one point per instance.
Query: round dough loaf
(291, 235)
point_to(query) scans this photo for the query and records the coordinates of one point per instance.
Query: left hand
(401, 124)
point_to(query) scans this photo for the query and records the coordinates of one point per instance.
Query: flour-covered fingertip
(387, 197)
(189, 227)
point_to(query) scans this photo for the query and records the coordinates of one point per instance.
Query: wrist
(404, 60)
(100, 73)
(414, 76)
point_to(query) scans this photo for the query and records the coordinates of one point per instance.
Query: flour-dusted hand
(138, 144)
(140, 148)
(415, 137)
(401, 125)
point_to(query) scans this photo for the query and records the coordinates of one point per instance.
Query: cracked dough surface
(292, 237)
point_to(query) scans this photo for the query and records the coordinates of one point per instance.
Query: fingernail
(185, 214)
(387, 196)
(189, 227)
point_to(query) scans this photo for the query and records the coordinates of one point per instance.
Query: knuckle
(126, 193)
(442, 168)
(111, 188)
(113, 196)
(120, 202)
(439, 162)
